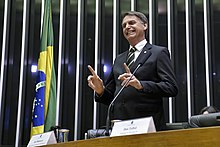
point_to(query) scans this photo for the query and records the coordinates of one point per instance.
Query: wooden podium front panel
(201, 137)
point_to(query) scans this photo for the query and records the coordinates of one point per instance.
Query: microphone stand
(109, 107)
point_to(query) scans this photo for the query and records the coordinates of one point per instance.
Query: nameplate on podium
(133, 126)
(42, 139)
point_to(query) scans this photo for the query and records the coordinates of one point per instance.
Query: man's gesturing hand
(95, 82)
(125, 77)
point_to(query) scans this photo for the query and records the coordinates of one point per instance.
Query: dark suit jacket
(157, 78)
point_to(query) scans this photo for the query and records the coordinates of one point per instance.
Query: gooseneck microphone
(141, 62)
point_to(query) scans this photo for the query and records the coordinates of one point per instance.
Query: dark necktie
(130, 59)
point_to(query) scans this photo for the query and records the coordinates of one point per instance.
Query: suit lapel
(145, 51)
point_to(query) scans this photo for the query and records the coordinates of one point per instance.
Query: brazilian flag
(44, 105)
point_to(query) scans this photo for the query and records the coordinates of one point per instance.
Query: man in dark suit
(154, 80)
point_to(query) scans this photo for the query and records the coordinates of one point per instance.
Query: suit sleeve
(166, 85)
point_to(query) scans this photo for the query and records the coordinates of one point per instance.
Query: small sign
(133, 126)
(42, 139)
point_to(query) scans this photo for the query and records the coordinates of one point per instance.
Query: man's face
(133, 29)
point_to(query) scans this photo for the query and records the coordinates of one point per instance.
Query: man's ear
(145, 26)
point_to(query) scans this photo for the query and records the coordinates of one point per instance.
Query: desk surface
(200, 137)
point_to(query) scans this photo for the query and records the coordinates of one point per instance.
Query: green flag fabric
(44, 105)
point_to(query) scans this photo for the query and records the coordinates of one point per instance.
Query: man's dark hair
(140, 15)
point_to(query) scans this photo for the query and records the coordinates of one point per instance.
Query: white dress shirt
(139, 48)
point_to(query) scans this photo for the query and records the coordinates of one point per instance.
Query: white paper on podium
(42, 139)
(133, 126)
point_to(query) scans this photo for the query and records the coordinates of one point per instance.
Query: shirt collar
(140, 45)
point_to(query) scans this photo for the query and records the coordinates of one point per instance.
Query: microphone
(141, 62)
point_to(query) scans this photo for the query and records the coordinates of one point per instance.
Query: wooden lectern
(196, 137)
